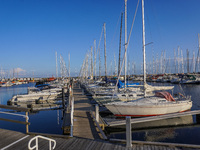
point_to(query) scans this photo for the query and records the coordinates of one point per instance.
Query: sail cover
(165, 95)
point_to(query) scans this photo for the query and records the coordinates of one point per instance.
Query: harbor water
(47, 121)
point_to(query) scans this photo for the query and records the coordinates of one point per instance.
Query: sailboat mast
(143, 41)
(56, 67)
(119, 61)
(69, 66)
(188, 67)
(104, 25)
(95, 57)
(125, 59)
(197, 55)
(91, 73)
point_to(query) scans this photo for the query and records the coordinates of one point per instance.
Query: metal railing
(26, 110)
(36, 142)
(72, 117)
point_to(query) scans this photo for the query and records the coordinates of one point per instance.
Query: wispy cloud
(19, 71)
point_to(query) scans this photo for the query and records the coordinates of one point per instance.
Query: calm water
(177, 130)
(48, 121)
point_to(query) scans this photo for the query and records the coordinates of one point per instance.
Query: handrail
(15, 108)
(72, 117)
(36, 142)
(15, 114)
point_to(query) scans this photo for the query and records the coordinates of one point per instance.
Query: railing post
(128, 132)
(82, 91)
(69, 104)
(63, 97)
(72, 117)
(27, 130)
(36, 143)
(97, 112)
(72, 92)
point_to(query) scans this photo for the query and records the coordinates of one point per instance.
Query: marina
(88, 136)
(146, 98)
(83, 110)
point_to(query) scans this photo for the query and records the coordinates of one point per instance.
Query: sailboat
(159, 104)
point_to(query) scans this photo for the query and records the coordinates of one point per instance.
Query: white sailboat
(159, 104)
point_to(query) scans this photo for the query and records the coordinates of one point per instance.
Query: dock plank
(83, 123)
(77, 143)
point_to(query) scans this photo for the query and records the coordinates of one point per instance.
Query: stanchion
(97, 112)
(128, 132)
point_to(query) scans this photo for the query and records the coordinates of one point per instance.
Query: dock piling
(97, 112)
(63, 97)
(128, 132)
(82, 91)
(72, 117)
(27, 130)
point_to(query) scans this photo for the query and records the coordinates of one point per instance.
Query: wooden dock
(12, 140)
(83, 123)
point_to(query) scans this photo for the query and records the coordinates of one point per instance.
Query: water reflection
(44, 121)
(167, 130)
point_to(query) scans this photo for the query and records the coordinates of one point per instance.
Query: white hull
(33, 97)
(139, 109)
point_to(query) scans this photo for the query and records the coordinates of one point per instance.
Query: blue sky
(32, 30)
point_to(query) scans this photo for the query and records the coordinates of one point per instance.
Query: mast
(143, 41)
(56, 67)
(161, 63)
(61, 69)
(175, 60)
(120, 45)
(182, 61)
(178, 59)
(115, 66)
(104, 25)
(197, 55)
(188, 68)
(164, 64)
(99, 54)
(169, 66)
(193, 59)
(125, 59)
(69, 66)
(91, 71)
(95, 57)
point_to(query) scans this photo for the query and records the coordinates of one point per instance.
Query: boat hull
(148, 110)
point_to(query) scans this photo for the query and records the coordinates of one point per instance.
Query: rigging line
(182, 89)
(126, 50)
(119, 75)
(98, 49)
(115, 30)
(132, 24)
